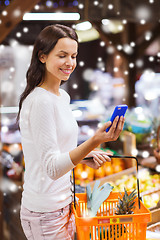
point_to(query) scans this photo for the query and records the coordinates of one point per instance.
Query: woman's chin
(65, 78)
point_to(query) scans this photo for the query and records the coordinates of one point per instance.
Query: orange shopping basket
(107, 225)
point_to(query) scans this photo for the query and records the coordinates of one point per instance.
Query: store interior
(118, 62)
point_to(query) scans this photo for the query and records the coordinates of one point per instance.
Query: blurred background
(118, 63)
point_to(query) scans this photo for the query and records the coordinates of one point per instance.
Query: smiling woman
(44, 45)
(49, 138)
(60, 63)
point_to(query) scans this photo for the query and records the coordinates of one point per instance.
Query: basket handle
(114, 156)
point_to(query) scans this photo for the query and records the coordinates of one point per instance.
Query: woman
(49, 137)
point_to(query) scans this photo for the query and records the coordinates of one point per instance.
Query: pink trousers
(57, 225)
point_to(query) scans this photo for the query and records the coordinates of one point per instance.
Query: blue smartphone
(119, 110)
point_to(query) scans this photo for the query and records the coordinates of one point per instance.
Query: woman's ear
(42, 57)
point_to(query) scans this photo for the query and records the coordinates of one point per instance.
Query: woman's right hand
(99, 137)
(112, 135)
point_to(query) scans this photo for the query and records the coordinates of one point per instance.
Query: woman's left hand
(98, 158)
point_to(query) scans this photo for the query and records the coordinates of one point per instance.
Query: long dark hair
(44, 43)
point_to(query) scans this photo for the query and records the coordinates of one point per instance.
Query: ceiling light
(89, 35)
(83, 26)
(51, 16)
(105, 21)
(112, 26)
(86, 32)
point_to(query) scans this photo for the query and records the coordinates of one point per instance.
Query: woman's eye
(63, 56)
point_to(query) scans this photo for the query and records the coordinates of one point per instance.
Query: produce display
(149, 186)
(149, 183)
(85, 174)
(139, 121)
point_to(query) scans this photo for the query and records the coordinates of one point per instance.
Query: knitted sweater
(48, 132)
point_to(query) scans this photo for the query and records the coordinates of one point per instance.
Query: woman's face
(61, 61)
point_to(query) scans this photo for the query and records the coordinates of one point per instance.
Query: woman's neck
(54, 88)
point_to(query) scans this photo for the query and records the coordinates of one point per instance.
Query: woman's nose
(69, 62)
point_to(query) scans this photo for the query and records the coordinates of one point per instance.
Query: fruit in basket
(126, 204)
(97, 196)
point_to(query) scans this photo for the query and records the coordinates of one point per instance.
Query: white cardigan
(48, 132)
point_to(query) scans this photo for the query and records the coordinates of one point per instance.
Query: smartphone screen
(119, 110)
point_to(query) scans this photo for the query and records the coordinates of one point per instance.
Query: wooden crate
(154, 227)
(155, 216)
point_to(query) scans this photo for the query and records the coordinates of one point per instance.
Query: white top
(49, 132)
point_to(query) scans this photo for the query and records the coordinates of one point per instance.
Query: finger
(97, 164)
(114, 125)
(119, 127)
(113, 129)
(107, 153)
(121, 122)
(102, 158)
(98, 159)
(106, 125)
(117, 130)
(107, 159)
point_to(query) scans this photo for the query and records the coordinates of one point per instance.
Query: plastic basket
(107, 225)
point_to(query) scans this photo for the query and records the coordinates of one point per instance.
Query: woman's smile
(66, 71)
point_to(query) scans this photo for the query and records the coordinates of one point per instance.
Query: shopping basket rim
(140, 211)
